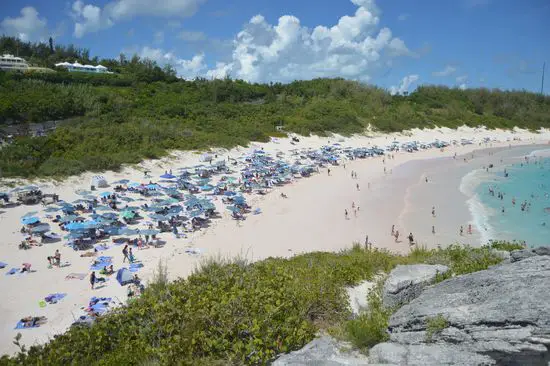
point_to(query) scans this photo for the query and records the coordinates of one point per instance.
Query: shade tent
(30, 220)
(168, 176)
(99, 181)
(124, 276)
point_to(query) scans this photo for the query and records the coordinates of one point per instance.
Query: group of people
(55, 260)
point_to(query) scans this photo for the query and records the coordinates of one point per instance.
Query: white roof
(77, 64)
(12, 57)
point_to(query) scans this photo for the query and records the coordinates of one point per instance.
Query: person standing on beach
(411, 239)
(470, 229)
(92, 279)
(397, 236)
(366, 242)
(346, 214)
(461, 230)
(357, 186)
(433, 211)
(433, 229)
(125, 254)
(328, 171)
(393, 230)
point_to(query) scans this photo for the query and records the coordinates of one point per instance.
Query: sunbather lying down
(33, 321)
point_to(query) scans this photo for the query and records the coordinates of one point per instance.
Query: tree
(51, 45)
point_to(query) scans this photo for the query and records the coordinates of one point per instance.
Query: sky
(395, 44)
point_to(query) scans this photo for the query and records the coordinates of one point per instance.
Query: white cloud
(287, 51)
(462, 86)
(447, 71)
(90, 18)
(192, 36)
(405, 84)
(461, 79)
(403, 17)
(27, 27)
(188, 69)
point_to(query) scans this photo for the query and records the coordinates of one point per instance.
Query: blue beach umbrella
(149, 232)
(105, 194)
(29, 220)
(168, 176)
(42, 228)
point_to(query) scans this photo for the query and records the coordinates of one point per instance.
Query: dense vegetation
(143, 111)
(235, 313)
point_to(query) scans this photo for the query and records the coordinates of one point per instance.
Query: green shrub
(507, 245)
(434, 326)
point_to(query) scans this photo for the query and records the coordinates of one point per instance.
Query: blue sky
(396, 44)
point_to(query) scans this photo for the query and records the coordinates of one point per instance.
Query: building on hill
(13, 63)
(77, 67)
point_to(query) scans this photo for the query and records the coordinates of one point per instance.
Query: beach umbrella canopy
(133, 185)
(42, 228)
(30, 213)
(52, 209)
(206, 187)
(168, 176)
(68, 218)
(127, 215)
(158, 217)
(105, 194)
(29, 220)
(149, 232)
(122, 181)
(82, 192)
(102, 208)
(128, 231)
(229, 193)
(73, 226)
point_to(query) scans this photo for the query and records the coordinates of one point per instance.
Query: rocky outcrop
(500, 316)
(518, 255)
(323, 351)
(407, 282)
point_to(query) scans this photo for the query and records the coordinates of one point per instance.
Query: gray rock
(498, 316)
(504, 254)
(518, 255)
(323, 351)
(426, 355)
(407, 282)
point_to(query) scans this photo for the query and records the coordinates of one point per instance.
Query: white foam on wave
(479, 212)
(540, 153)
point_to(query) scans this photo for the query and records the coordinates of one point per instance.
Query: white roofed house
(78, 67)
(13, 63)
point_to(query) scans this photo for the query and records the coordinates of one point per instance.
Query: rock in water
(323, 351)
(500, 316)
(407, 282)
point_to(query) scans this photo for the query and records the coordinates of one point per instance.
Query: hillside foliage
(143, 111)
(231, 312)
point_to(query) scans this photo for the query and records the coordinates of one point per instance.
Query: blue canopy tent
(30, 220)
(124, 276)
(168, 176)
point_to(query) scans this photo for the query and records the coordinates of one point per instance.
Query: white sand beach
(386, 192)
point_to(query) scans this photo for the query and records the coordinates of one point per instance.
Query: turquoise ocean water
(528, 182)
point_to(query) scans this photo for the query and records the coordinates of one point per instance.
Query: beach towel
(101, 247)
(21, 325)
(193, 250)
(75, 276)
(134, 267)
(12, 271)
(99, 305)
(54, 298)
(101, 262)
(3, 265)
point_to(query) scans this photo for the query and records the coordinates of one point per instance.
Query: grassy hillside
(142, 111)
(238, 313)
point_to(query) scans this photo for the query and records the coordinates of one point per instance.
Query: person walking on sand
(393, 230)
(92, 279)
(433, 211)
(470, 229)
(461, 230)
(328, 171)
(433, 229)
(346, 214)
(411, 239)
(397, 236)
(366, 242)
(125, 254)
(357, 186)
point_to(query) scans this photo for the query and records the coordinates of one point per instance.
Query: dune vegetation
(143, 111)
(233, 312)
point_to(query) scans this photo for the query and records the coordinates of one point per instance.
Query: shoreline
(311, 219)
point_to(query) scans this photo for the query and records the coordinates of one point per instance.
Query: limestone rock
(497, 316)
(407, 282)
(323, 351)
